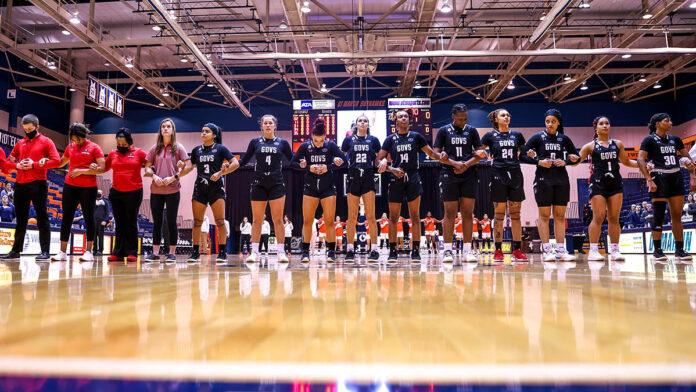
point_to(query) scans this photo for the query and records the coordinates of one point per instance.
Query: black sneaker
(415, 257)
(149, 256)
(350, 257)
(447, 257)
(43, 256)
(221, 257)
(330, 256)
(374, 256)
(393, 256)
(195, 257)
(659, 255)
(170, 258)
(680, 254)
(305, 256)
(11, 256)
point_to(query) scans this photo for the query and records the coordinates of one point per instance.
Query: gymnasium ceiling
(267, 52)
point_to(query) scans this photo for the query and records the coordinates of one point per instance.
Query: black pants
(264, 243)
(98, 238)
(288, 244)
(245, 239)
(125, 206)
(86, 197)
(157, 204)
(35, 192)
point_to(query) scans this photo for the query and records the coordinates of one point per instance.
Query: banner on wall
(106, 97)
(668, 241)
(78, 246)
(632, 243)
(32, 245)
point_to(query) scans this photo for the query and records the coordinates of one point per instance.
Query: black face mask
(122, 149)
(31, 134)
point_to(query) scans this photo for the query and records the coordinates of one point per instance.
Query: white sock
(546, 247)
(560, 248)
(255, 247)
(594, 247)
(467, 247)
(448, 246)
(614, 247)
(349, 248)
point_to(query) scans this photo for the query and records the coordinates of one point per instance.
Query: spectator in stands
(7, 210)
(690, 206)
(79, 220)
(32, 212)
(634, 219)
(162, 164)
(32, 156)
(126, 194)
(101, 216)
(8, 191)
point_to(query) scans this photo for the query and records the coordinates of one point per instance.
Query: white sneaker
(61, 256)
(549, 256)
(251, 258)
(595, 256)
(564, 256)
(617, 256)
(470, 257)
(447, 257)
(87, 256)
(283, 258)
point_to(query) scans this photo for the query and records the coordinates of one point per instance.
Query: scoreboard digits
(304, 115)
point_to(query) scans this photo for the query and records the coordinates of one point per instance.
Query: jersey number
(206, 168)
(670, 160)
(507, 153)
(268, 159)
(404, 157)
(360, 158)
(460, 152)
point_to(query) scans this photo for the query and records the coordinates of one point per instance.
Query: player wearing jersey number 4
(318, 157)
(458, 142)
(551, 151)
(267, 187)
(606, 186)
(507, 182)
(404, 183)
(211, 162)
(666, 182)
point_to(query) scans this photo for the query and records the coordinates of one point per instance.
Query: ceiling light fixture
(165, 93)
(305, 7)
(72, 90)
(129, 62)
(657, 85)
(543, 16)
(417, 85)
(646, 9)
(323, 88)
(74, 19)
(210, 84)
(184, 60)
(65, 32)
(156, 28)
(140, 87)
(626, 56)
(511, 86)
(412, 19)
(106, 64)
(283, 24)
(160, 104)
(445, 8)
(642, 79)
(52, 65)
(584, 86)
(492, 80)
(692, 5)
(566, 77)
(584, 4)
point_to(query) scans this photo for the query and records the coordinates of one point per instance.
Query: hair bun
(320, 125)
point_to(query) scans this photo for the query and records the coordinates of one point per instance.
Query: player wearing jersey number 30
(666, 182)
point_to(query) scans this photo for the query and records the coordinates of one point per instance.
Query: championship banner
(104, 96)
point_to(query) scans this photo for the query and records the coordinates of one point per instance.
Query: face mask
(122, 149)
(31, 134)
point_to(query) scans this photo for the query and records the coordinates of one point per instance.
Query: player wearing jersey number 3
(666, 182)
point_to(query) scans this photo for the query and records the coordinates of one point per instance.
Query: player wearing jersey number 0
(606, 186)
(318, 157)
(362, 149)
(666, 182)
(551, 151)
(507, 182)
(459, 143)
(267, 187)
(404, 182)
(209, 160)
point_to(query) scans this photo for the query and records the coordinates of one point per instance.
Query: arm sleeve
(530, 145)
(299, 154)
(249, 153)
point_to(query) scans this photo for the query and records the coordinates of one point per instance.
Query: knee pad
(659, 208)
(515, 215)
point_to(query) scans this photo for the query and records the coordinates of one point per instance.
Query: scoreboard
(420, 108)
(305, 113)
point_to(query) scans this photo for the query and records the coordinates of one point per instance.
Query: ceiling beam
(294, 18)
(424, 18)
(660, 12)
(55, 11)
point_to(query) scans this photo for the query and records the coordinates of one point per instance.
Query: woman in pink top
(162, 164)
(80, 187)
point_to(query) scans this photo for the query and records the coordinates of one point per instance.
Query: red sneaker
(498, 255)
(131, 258)
(518, 255)
(115, 258)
